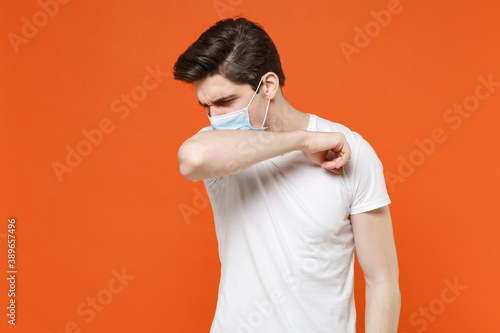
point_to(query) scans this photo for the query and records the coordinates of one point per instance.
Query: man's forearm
(383, 305)
(211, 154)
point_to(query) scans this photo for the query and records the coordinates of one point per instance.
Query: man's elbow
(387, 280)
(190, 162)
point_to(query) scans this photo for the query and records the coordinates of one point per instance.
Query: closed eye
(226, 102)
(222, 101)
(219, 103)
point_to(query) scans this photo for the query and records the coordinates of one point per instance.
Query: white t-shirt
(285, 240)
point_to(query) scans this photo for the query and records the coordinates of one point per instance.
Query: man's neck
(286, 118)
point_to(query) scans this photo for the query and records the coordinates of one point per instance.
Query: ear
(271, 84)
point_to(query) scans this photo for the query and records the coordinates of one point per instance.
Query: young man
(291, 199)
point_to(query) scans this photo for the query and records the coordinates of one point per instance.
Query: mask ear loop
(255, 92)
(262, 126)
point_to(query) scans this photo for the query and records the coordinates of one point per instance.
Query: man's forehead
(216, 87)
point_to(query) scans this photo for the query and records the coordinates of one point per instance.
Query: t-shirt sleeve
(207, 128)
(368, 182)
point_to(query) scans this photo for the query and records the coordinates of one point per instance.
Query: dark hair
(238, 49)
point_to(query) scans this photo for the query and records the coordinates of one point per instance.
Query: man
(288, 205)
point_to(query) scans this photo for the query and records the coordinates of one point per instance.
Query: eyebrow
(220, 99)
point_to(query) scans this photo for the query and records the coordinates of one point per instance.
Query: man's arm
(217, 153)
(377, 257)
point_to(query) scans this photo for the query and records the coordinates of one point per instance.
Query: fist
(319, 144)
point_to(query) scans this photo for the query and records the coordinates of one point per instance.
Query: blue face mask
(237, 120)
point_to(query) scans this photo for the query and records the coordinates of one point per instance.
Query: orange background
(121, 206)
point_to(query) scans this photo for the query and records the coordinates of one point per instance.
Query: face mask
(237, 120)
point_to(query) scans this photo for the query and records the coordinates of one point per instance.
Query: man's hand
(318, 144)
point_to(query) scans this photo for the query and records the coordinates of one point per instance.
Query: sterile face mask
(239, 119)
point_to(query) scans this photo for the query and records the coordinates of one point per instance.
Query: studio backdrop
(100, 233)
